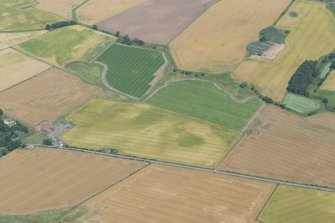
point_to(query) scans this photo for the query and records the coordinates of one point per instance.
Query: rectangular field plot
(62, 8)
(131, 69)
(61, 46)
(156, 21)
(94, 11)
(314, 26)
(203, 100)
(15, 68)
(146, 131)
(220, 36)
(11, 39)
(285, 146)
(166, 194)
(46, 97)
(296, 205)
(301, 104)
(43, 179)
(22, 15)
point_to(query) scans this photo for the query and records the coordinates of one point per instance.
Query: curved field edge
(65, 215)
(131, 70)
(297, 205)
(147, 131)
(202, 99)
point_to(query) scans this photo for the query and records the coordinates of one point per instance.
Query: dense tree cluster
(59, 25)
(301, 80)
(9, 135)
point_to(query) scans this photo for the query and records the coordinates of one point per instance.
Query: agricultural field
(282, 145)
(330, 95)
(44, 179)
(21, 15)
(156, 21)
(301, 104)
(64, 45)
(205, 101)
(146, 131)
(222, 33)
(296, 205)
(329, 84)
(88, 73)
(131, 69)
(94, 11)
(12, 38)
(46, 97)
(62, 8)
(163, 194)
(16, 67)
(313, 26)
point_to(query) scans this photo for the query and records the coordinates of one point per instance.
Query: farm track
(216, 171)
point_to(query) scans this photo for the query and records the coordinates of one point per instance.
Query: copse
(59, 25)
(303, 78)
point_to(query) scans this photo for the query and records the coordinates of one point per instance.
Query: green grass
(68, 44)
(203, 100)
(146, 131)
(296, 205)
(131, 69)
(88, 73)
(66, 215)
(22, 15)
(301, 104)
(227, 83)
(34, 139)
(330, 95)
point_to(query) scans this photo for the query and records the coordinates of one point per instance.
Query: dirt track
(156, 21)
(43, 179)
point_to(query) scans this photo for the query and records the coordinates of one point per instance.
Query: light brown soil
(46, 97)
(156, 21)
(282, 145)
(167, 194)
(16, 67)
(220, 35)
(43, 179)
(61, 8)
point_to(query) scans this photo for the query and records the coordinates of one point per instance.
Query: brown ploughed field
(156, 21)
(282, 145)
(43, 179)
(46, 97)
(168, 194)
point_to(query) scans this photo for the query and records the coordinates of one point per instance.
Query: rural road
(216, 171)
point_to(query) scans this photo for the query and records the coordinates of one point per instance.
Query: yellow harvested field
(168, 194)
(282, 145)
(314, 26)
(329, 84)
(46, 97)
(11, 39)
(43, 179)
(15, 68)
(62, 8)
(95, 11)
(220, 36)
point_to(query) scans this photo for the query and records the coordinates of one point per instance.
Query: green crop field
(21, 15)
(131, 69)
(146, 131)
(301, 104)
(68, 44)
(203, 100)
(297, 205)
